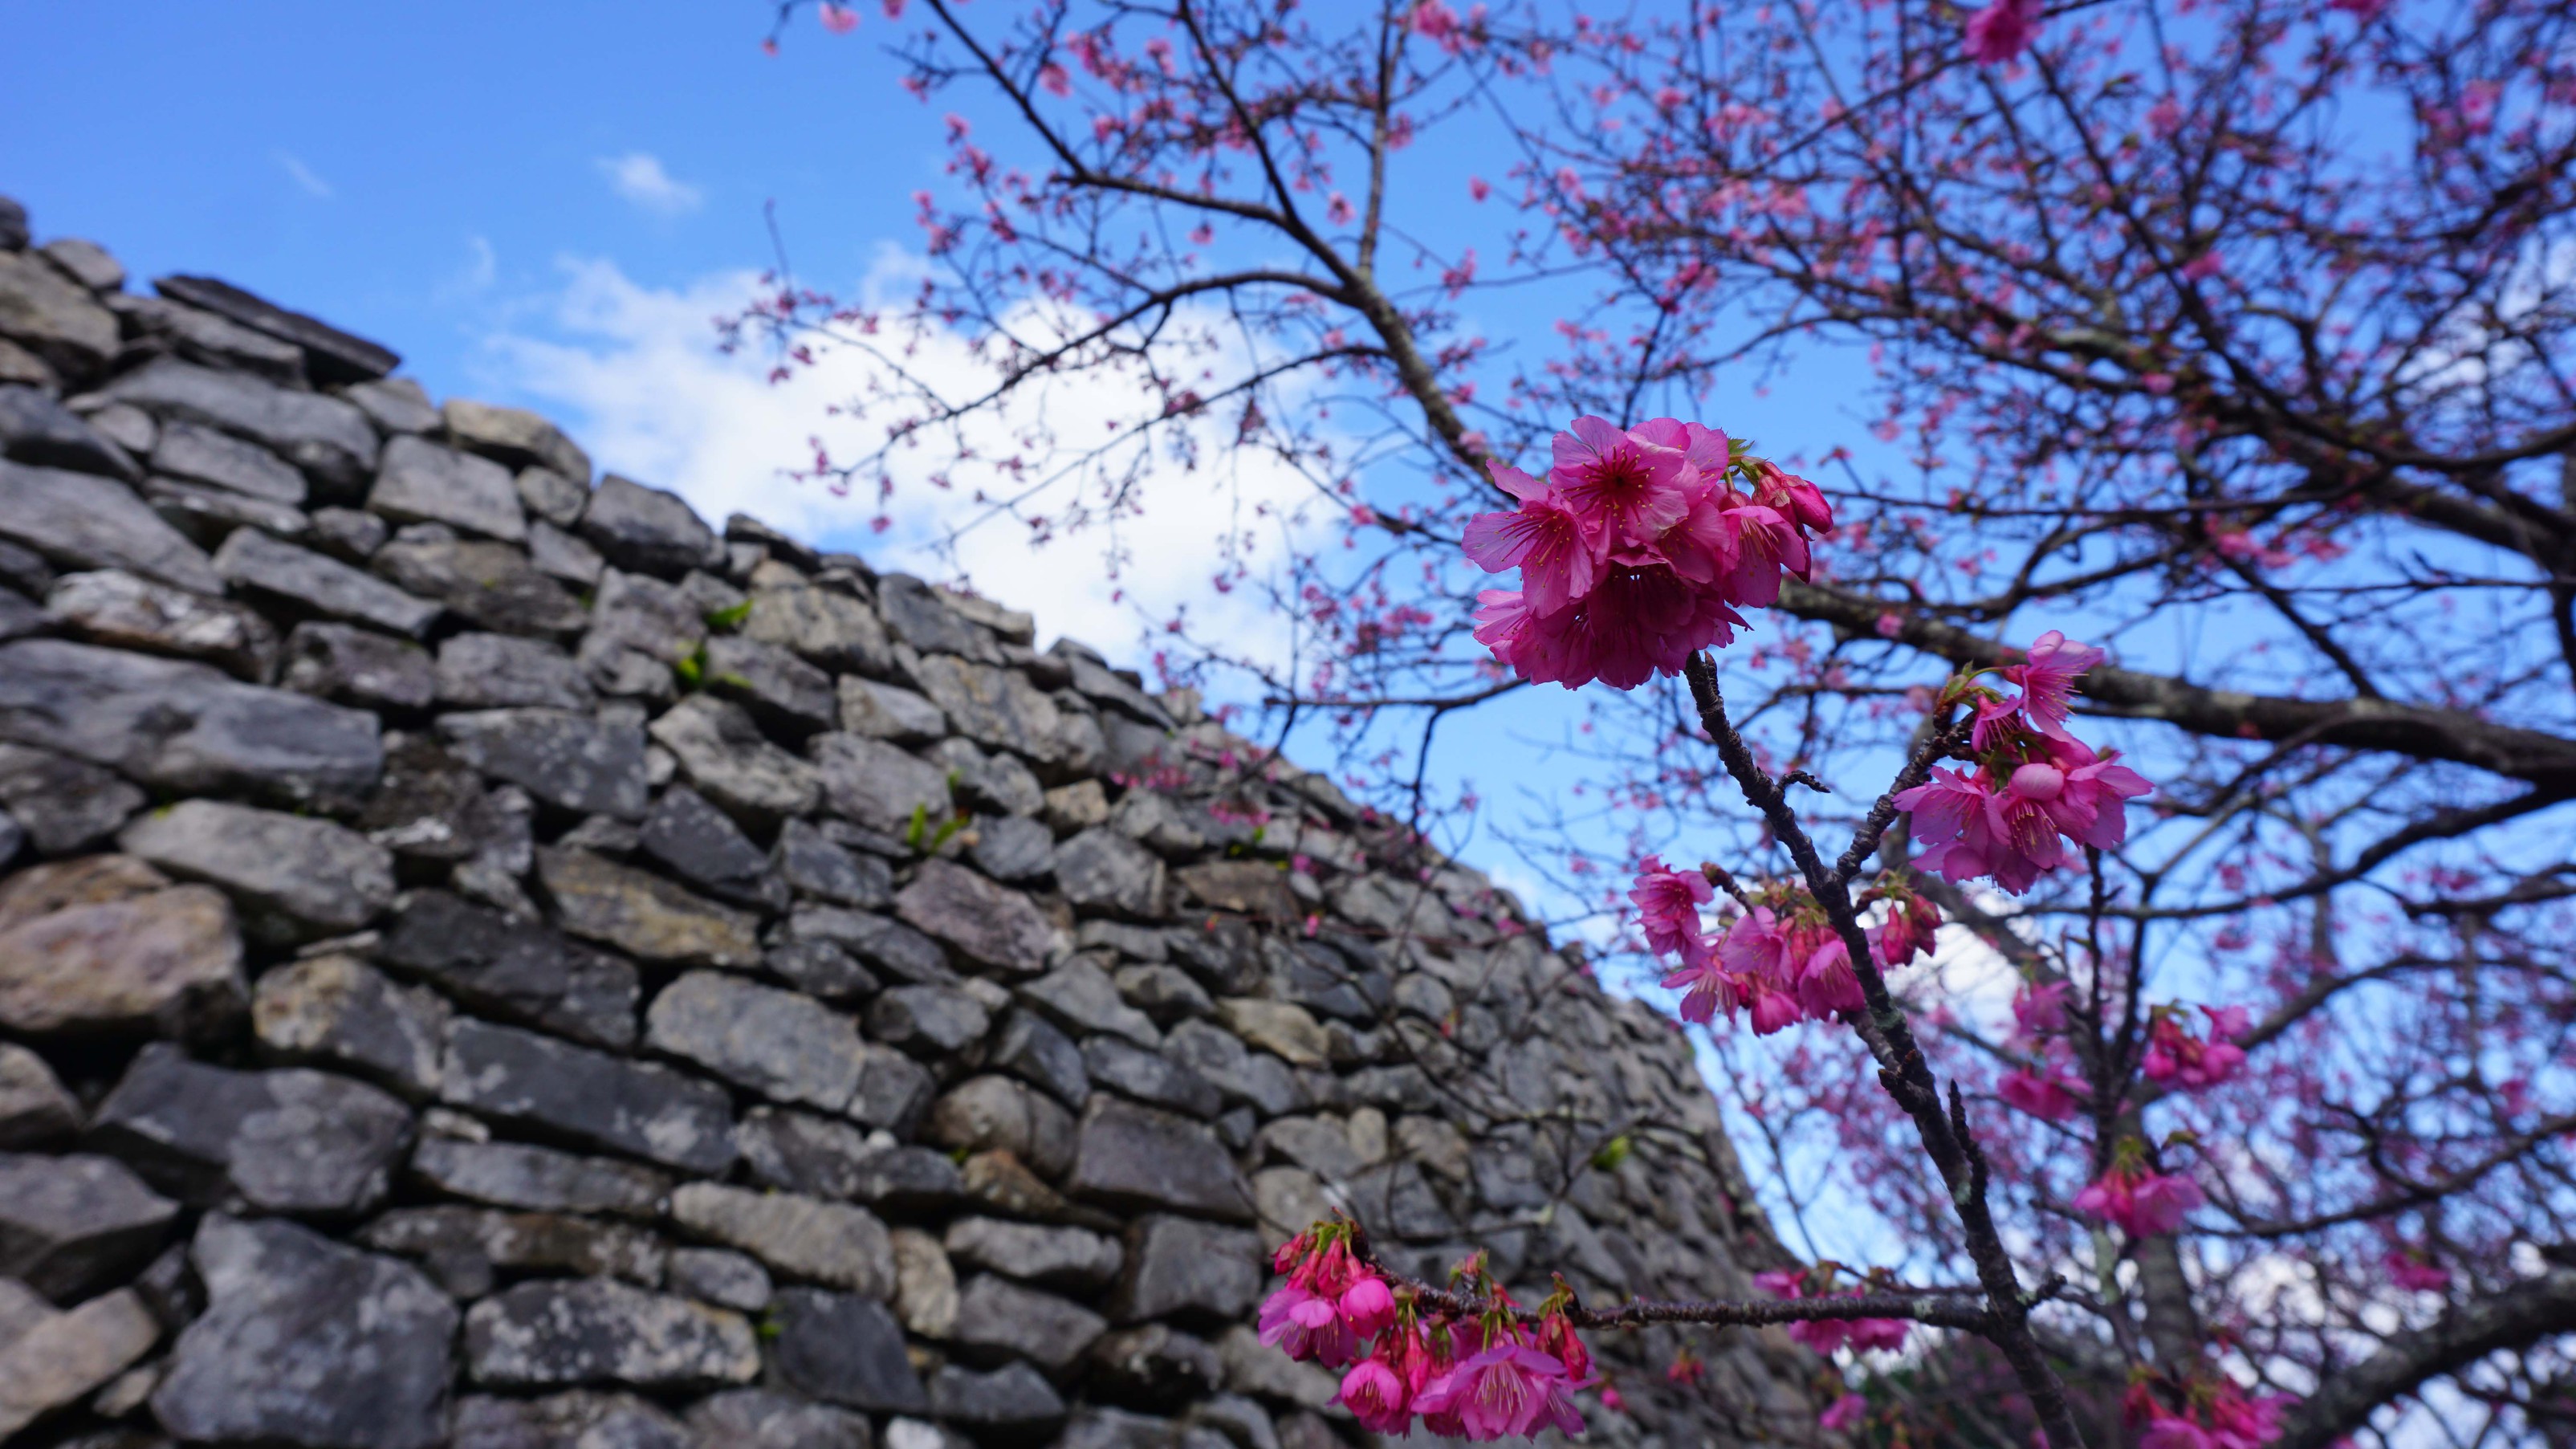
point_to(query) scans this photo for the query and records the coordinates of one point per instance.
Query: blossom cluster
(2139, 1200)
(2214, 1414)
(1636, 550)
(1780, 961)
(1495, 1376)
(2035, 789)
(1825, 1335)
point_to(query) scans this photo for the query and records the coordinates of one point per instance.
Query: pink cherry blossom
(2047, 678)
(838, 19)
(1542, 538)
(1706, 988)
(1305, 1326)
(2140, 1202)
(1377, 1397)
(2415, 1272)
(2040, 1007)
(1844, 1413)
(1625, 490)
(1367, 1306)
(1506, 1391)
(2000, 32)
(1827, 985)
(1668, 903)
(2052, 1096)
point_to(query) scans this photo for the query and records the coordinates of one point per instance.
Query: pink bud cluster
(1494, 1377)
(2213, 1414)
(2176, 1056)
(1824, 1335)
(1780, 961)
(2139, 1200)
(2035, 788)
(1636, 550)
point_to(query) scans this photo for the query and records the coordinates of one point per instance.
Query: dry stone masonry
(489, 958)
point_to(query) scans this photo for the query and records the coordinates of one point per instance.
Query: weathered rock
(575, 761)
(207, 516)
(1011, 1398)
(888, 712)
(36, 428)
(168, 961)
(1245, 887)
(281, 1141)
(516, 437)
(1136, 1157)
(648, 530)
(1161, 1367)
(394, 404)
(80, 520)
(497, 671)
(202, 455)
(803, 1237)
(491, 585)
(327, 438)
(877, 785)
(645, 614)
(556, 500)
(643, 914)
(35, 1111)
(983, 921)
(821, 970)
(338, 1011)
(723, 753)
(812, 865)
(1014, 849)
(299, 579)
(1030, 1047)
(999, 1319)
(928, 1020)
(883, 944)
(921, 617)
(359, 666)
(819, 1157)
(1256, 1368)
(1103, 871)
(598, 1330)
(1276, 1026)
(1164, 993)
(699, 841)
(994, 707)
(62, 1356)
(719, 1276)
(291, 875)
(308, 1343)
(825, 626)
(200, 336)
(1079, 996)
(588, 1097)
(783, 1045)
(462, 1246)
(87, 262)
(109, 606)
(560, 555)
(759, 1419)
(421, 482)
(1077, 807)
(1185, 1269)
(844, 1349)
(988, 1112)
(1148, 1077)
(995, 784)
(1095, 680)
(588, 1418)
(781, 690)
(70, 1226)
(514, 969)
(64, 804)
(53, 317)
(331, 354)
(1054, 1257)
(540, 1179)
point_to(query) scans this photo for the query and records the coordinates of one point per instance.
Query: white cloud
(634, 374)
(638, 176)
(303, 176)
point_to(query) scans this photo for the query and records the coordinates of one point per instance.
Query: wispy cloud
(638, 176)
(303, 176)
(634, 372)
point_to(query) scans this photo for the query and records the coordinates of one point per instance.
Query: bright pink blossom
(2000, 32)
(1377, 1397)
(1668, 903)
(1844, 1413)
(1506, 1391)
(2175, 1055)
(2047, 679)
(1304, 1326)
(1367, 1306)
(1626, 490)
(1542, 538)
(1827, 985)
(1909, 931)
(2052, 1095)
(2140, 1202)
(2040, 1008)
(838, 19)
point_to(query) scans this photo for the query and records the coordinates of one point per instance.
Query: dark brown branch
(2466, 1332)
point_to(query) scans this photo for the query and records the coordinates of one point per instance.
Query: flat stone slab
(418, 481)
(987, 923)
(516, 1175)
(598, 1330)
(844, 1349)
(644, 915)
(1137, 1157)
(85, 521)
(307, 1342)
(282, 1141)
(802, 1237)
(167, 961)
(588, 1096)
(302, 579)
(569, 759)
(327, 438)
(70, 1226)
(514, 968)
(784, 1045)
(306, 876)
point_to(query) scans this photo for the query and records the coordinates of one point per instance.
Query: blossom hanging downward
(1636, 550)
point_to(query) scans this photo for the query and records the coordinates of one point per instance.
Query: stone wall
(486, 957)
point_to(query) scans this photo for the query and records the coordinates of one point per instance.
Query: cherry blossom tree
(2190, 1004)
